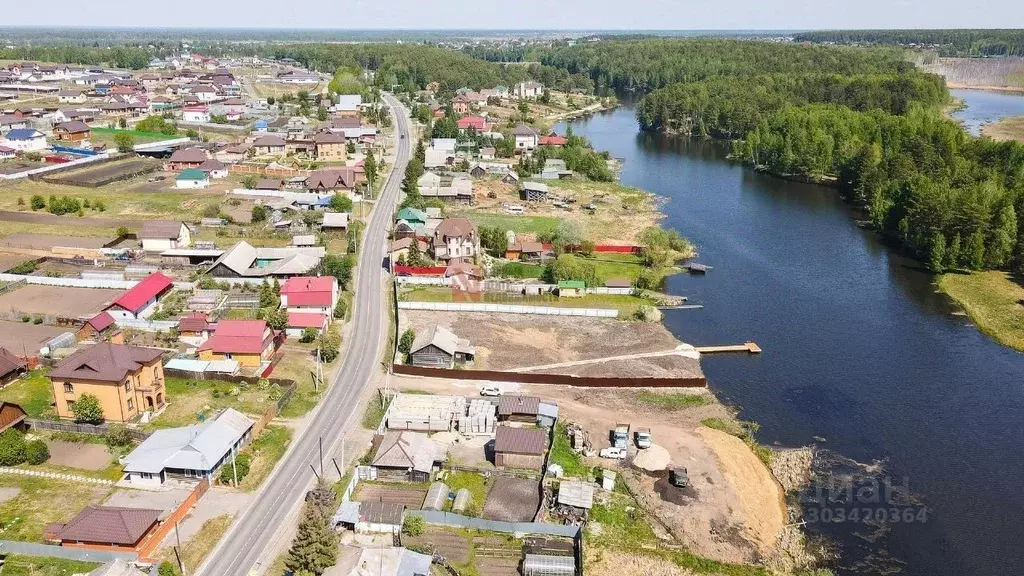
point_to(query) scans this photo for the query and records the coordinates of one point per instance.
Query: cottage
(487, 153)
(192, 178)
(525, 251)
(11, 366)
(399, 250)
(476, 123)
(572, 289)
(195, 114)
(7, 153)
(270, 184)
(535, 191)
(406, 456)
(105, 528)
(185, 158)
(140, 301)
(195, 325)
(520, 447)
(455, 238)
(127, 380)
(161, 235)
(25, 140)
(440, 348)
(72, 131)
(332, 180)
(335, 221)
(248, 342)
(71, 96)
(189, 452)
(245, 261)
(99, 327)
(269, 145)
(461, 104)
(234, 153)
(526, 137)
(528, 89)
(554, 140)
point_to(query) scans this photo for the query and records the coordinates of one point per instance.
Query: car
(614, 453)
(403, 136)
(490, 390)
(643, 438)
(679, 477)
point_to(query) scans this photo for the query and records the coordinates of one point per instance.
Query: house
(348, 105)
(204, 93)
(525, 251)
(446, 144)
(475, 123)
(414, 217)
(214, 168)
(399, 250)
(335, 221)
(7, 153)
(310, 294)
(329, 147)
(12, 416)
(195, 114)
(71, 96)
(299, 322)
(234, 153)
(380, 518)
(461, 104)
(535, 191)
(192, 178)
(518, 408)
(406, 455)
(195, 325)
(553, 139)
(105, 528)
(528, 90)
(99, 327)
(127, 380)
(269, 145)
(455, 238)
(248, 342)
(72, 131)
(185, 158)
(525, 136)
(270, 184)
(140, 301)
(10, 122)
(189, 452)
(161, 235)
(244, 261)
(440, 348)
(437, 158)
(487, 153)
(11, 366)
(25, 140)
(332, 180)
(447, 189)
(572, 289)
(520, 447)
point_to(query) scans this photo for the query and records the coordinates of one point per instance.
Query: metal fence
(460, 521)
(55, 167)
(92, 429)
(509, 309)
(146, 325)
(81, 554)
(70, 282)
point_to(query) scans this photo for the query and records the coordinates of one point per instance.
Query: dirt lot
(48, 241)
(411, 496)
(106, 172)
(159, 500)
(510, 341)
(25, 335)
(9, 260)
(452, 545)
(56, 300)
(734, 509)
(84, 456)
(53, 219)
(512, 500)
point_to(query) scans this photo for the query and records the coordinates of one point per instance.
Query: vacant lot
(411, 496)
(56, 300)
(32, 391)
(48, 241)
(106, 173)
(41, 501)
(512, 500)
(25, 336)
(510, 341)
(189, 401)
(9, 260)
(76, 455)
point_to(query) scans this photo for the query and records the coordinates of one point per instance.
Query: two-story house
(526, 137)
(309, 301)
(248, 342)
(455, 239)
(127, 380)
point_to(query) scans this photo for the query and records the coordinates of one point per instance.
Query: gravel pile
(652, 459)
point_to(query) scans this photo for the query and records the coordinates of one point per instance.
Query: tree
(308, 335)
(370, 168)
(406, 341)
(303, 95)
(937, 258)
(12, 448)
(36, 452)
(415, 255)
(329, 344)
(122, 123)
(568, 233)
(1003, 237)
(268, 298)
(975, 256)
(413, 526)
(952, 260)
(270, 100)
(315, 548)
(350, 147)
(37, 202)
(340, 203)
(125, 142)
(87, 410)
(260, 213)
(118, 436)
(228, 473)
(445, 128)
(321, 114)
(165, 569)
(277, 318)
(338, 266)
(420, 153)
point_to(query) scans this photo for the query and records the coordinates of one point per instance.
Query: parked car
(643, 438)
(614, 453)
(490, 390)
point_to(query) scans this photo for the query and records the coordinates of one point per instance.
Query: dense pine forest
(946, 42)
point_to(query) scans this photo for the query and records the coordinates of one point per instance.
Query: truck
(643, 438)
(620, 436)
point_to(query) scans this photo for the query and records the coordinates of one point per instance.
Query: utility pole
(177, 550)
(234, 469)
(320, 441)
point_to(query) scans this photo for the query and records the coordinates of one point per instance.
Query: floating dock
(748, 347)
(682, 307)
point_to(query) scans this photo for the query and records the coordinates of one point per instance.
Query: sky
(531, 14)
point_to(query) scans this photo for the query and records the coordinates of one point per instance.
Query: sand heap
(652, 459)
(444, 437)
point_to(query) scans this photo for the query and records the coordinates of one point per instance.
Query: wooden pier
(682, 307)
(748, 347)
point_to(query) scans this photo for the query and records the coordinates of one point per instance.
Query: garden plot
(512, 500)
(410, 496)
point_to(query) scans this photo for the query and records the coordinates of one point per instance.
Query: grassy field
(519, 270)
(19, 565)
(190, 398)
(627, 305)
(33, 392)
(199, 546)
(1009, 128)
(41, 501)
(517, 224)
(373, 415)
(992, 301)
(672, 401)
(266, 450)
(297, 365)
(563, 455)
(106, 135)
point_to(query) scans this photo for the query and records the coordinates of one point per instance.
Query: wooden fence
(91, 429)
(557, 379)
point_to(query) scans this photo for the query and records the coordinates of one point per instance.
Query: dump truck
(643, 438)
(620, 436)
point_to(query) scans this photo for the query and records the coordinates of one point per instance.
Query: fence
(92, 429)
(251, 169)
(558, 379)
(419, 270)
(55, 167)
(605, 290)
(150, 544)
(55, 476)
(429, 280)
(71, 282)
(460, 521)
(509, 309)
(47, 550)
(147, 325)
(12, 285)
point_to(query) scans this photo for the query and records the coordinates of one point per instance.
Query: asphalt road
(239, 549)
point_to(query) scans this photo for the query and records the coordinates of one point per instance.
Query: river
(861, 356)
(985, 107)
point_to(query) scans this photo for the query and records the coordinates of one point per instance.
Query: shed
(576, 494)
(440, 348)
(544, 565)
(11, 416)
(535, 191)
(572, 289)
(380, 517)
(518, 408)
(547, 414)
(520, 447)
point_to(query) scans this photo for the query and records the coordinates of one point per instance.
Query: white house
(192, 178)
(195, 114)
(204, 93)
(161, 235)
(25, 140)
(348, 103)
(455, 239)
(214, 168)
(528, 90)
(526, 137)
(6, 153)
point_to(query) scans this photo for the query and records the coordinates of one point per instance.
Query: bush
(118, 436)
(122, 231)
(241, 467)
(12, 448)
(308, 335)
(413, 526)
(21, 201)
(125, 142)
(165, 569)
(37, 202)
(37, 452)
(260, 213)
(26, 318)
(406, 340)
(330, 345)
(87, 410)
(63, 205)
(37, 320)
(249, 181)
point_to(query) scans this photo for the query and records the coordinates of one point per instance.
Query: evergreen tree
(937, 259)
(420, 153)
(1004, 235)
(975, 256)
(315, 548)
(952, 261)
(370, 167)
(415, 257)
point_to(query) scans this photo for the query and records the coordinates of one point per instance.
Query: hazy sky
(532, 14)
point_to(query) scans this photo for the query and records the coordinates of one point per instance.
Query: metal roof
(530, 441)
(198, 447)
(381, 512)
(509, 405)
(576, 494)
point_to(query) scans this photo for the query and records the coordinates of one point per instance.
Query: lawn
(608, 266)
(475, 483)
(518, 224)
(992, 301)
(41, 501)
(106, 135)
(20, 565)
(673, 401)
(374, 414)
(298, 364)
(519, 270)
(266, 451)
(199, 546)
(33, 392)
(190, 401)
(563, 455)
(626, 304)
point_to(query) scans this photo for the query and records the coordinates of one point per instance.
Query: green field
(517, 224)
(191, 400)
(267, 449)
(993, 302)
(33, 392)
(19, 565)
(40, 501)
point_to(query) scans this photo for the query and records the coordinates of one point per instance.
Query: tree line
(131, 57)
(963, 42)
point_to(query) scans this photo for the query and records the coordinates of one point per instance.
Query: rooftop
(104, 362)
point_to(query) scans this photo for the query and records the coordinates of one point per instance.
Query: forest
(128, 57)
(963, 42)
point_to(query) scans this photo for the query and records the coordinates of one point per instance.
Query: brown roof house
(162, 235)
(269, 145)
(329, 146)
(127, 380)
(440, 348)
(455, 239)
(11, 366)
(518, 408)
(332, 180)
(105, 528)
(520, 447)
(12, 416)
(185, 158)
(406, 456)
(72, 131)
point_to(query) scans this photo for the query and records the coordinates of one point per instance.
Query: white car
(614, 453)
(490, 390)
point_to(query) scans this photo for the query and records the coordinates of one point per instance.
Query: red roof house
(193, 325)
(310, 294)
(249, 342)
(140, 300)
(553, 140)
(299, 321)
(476, 122)
(105, 527)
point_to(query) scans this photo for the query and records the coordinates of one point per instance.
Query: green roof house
(572, 289)
(412, 216)
(192, 178)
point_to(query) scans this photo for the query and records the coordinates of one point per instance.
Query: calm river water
(859, 351)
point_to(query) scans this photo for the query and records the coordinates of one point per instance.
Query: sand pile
(444, 437)
(652, 459)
